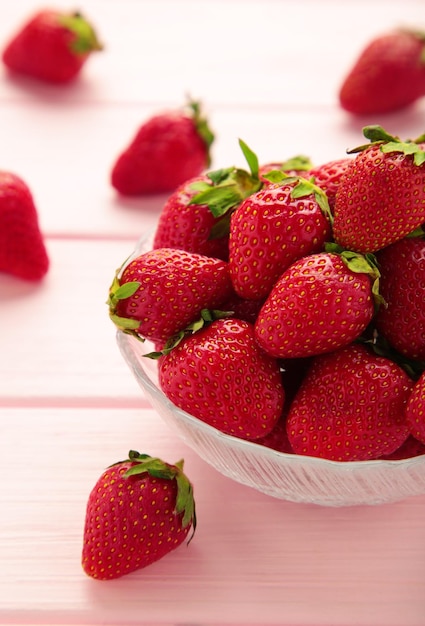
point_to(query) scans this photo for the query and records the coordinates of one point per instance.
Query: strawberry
(277, 439)
(320, 303)
(381, 196)
(52, 46)
(160, 292)
(402, 285)
(388, 75)
(350, 406)
(22, 250)
(167, 150)
(138, 511)
(415, 410)
(409, 449)
(196, 217)
(188, 226)
(328, 175)
(221, 376)
(271, 229)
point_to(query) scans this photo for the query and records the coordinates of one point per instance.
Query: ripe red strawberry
(221, 376)
(188, 226)
(138, 511)
(409, 449)
(52, 46)
(388, 75)
(381, 196)
(277, 439)
(350, 406)
(271, 229)
(196, 217)
(402, 285)
(162, 291)
(320, 303)
(415, 411)
(22, 249)
(167, 150)
(328, 176)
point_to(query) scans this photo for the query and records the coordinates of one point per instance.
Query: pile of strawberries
(286, 301)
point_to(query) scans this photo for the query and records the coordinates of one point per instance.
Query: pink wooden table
(268, 72)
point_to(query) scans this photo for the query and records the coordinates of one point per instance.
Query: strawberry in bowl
(298, 392)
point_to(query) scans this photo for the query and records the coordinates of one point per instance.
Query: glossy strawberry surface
(402, 285)
(162, 291)
(415, 412)
(350, 407)
(223, 378)
(381, 198)
(268, 231)
(138, 511)
(328, 175)
(189, 226)
(316, 306)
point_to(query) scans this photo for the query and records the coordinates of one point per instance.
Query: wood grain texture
(268, 72)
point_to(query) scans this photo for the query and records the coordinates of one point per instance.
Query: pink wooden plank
(254, 559)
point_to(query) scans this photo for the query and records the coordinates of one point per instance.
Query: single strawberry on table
(160, 292)
(52, 46)
(350, 406)
(139, 510)
(22, 249)
(167, 149)
(388, 75)
(320, 303)
(220, 375)
(381, 196)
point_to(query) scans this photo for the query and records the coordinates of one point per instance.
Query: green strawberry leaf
(202, 126)
(85, 38)
(219, 199)
(221, 228)
(376, 133)
(207, 317)
(361, 264)
(124, 323)
(407, 148)
(126, 290)
(185, 503)
(251, 158)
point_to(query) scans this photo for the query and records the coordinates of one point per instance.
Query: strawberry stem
(157, 468)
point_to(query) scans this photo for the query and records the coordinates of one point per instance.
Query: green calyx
(155, 467)
(303, 187)
(85, 40)
(206, 318)
(227, 189)
(202, 126)
(361, 264)
(119, 292)
(390, 143)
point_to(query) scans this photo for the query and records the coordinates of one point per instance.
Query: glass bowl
(286, 476)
